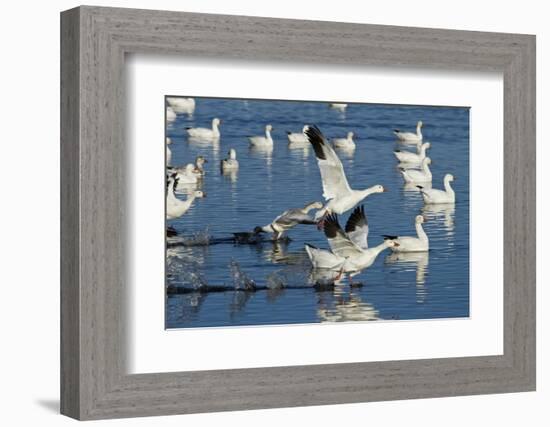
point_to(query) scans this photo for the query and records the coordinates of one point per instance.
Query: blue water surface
(409, 286)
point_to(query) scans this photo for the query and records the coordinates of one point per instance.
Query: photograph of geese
(303, 212)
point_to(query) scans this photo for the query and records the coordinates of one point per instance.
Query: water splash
(241, 281)
(198, 238)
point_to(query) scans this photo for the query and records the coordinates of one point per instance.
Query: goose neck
(421, 233)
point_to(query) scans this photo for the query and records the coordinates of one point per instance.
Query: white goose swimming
(345, 255)
(170, 114)
(174, 206)
(409, 136)
(336, 190)
(408, 157)
(422, 175)
(231, 163)
(182, 105)
(289, 219)
(262, 141)
(434, 196)
(297, 138)
(344, 143)
(205, 133)
(420, 243)
(191, 173)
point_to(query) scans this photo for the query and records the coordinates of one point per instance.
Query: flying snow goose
(422, 175)
(297, 138)
(262, 141)
(182, 105)
(231, 163)
(434, 196)
(174, 206)
(205, 133)
(338, 106)
(336, 190)
(408, 157)
(170, 114)
(289, 219)
(345, 255)
(409, 136)
(420, 243)
(344, 143)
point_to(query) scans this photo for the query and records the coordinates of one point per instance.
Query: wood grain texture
(94, 271)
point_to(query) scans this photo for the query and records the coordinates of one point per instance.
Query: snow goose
(423, 175)
(170, 115)
(231, 163)
(344, 143)
(191, 173)
(289, 219)
(411, 244)
(410, 136)
(336, 190)
(345, 255)
(262, 141)
(408, 157)
(174, 206)
(182, 105)
(435, 196)
(339, 106)
(297, 138)
(205, 133)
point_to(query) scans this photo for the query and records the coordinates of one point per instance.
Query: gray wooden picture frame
(94, 41)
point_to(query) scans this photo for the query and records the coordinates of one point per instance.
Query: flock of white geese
(349, 252)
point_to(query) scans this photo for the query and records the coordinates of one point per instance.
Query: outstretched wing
(293, 217)
(332, 172)
(357, 227)
(339, 242)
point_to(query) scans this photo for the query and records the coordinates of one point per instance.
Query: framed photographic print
(281, 213)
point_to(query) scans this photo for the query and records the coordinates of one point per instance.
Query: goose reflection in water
(230, 175)
(339, 307)
(443, 214)
(213, 146)
(417, 260)
(277, 253)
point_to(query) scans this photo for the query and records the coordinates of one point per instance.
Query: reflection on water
(214, 281)
(443, 213)
(415, 261)
(344, 307)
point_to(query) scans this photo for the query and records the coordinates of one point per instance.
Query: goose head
(232, 154)
(390, 243)
(350, 135)
(313, 205)
(216, 122)
(449, 178)
(425, 146)
(200, 161)
(258, 230)
(268, 128)
(199, 194)
(419, 219)
(419, 124)
(377, 189)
